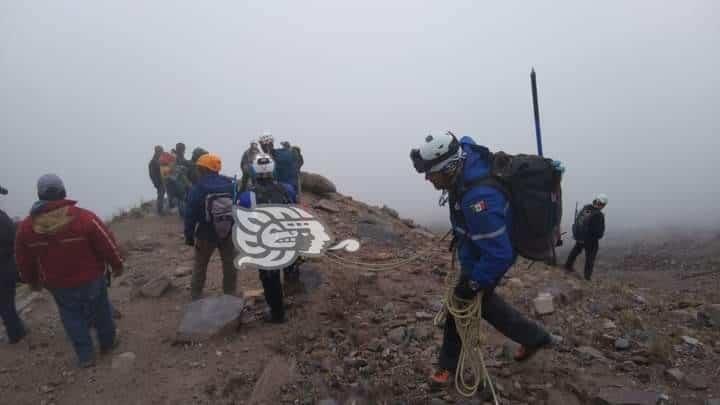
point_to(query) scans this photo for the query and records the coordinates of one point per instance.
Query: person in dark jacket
(156, 178)
(201, 233)
(65, 248)
(8, 280)
(480, 221)
(192, 166)
(588, 229)
(266, 190)
(288, 160)
(246, 162)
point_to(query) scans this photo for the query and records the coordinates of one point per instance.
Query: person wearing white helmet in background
(288, 160)
(266, 190)
(588, 229)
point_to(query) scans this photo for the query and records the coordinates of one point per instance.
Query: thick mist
(628, 94)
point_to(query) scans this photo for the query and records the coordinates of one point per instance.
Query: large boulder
(209, 317)
(316, 184)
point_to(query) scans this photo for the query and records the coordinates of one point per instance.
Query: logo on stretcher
(272, 237)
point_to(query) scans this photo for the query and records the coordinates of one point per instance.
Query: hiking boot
(19, 338)
(269, 317)
(87, 363)
(113, 346)
(440, 379)
(525, 353)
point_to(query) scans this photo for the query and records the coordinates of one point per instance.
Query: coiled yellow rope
(468, 317)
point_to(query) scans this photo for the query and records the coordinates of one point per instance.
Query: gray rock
(543, 304)
(424, 316)
(156, 287)
(124, 361)
(571, 295)
(690, 340)
(712, 401)
(624, 396)
(355, 362)
(278, 372)
(397, 335)
(183, 271)
(696, 381)
(710, 315)
(589, 353)
(674, 374)
(389, 211)
(375, 229)
(316, 184)
(423, 333)
(389, 307)
(375, 346)
(368, 277)
(622, 344)
(329, 401)
(209, 317)
(327, 205)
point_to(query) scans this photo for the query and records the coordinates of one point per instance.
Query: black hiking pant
(503, 317)
(591, 250)
(272, 286)
(160, 198)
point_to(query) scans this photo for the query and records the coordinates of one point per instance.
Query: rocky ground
(634, 335)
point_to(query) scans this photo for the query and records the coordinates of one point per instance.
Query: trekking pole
(536, 111)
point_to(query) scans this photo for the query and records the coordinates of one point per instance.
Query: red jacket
(63, 246)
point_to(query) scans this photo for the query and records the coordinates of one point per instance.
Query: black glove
(190, 242)
(466, 289)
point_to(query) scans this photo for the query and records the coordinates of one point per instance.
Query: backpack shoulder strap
(489, 180)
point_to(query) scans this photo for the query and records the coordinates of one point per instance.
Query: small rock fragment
(543, 304)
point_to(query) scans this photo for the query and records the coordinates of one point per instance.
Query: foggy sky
(628, 92)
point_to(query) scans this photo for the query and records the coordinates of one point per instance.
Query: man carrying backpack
(266, 190)
(588, 229)
(208, 224)
(481, 222)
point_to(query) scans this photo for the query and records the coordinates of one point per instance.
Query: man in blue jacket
(266, 190)
(288, 160)
(208, 224)
(481, 220)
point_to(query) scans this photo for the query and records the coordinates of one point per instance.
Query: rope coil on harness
(468, 316)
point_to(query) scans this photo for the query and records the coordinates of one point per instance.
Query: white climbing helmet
(263, 165)
(266, 138)
(601, 199)
(438, 151)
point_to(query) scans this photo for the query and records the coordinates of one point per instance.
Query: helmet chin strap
(453, 170)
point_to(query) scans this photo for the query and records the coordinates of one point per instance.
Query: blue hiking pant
(82, 308)
(13, 325)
